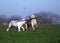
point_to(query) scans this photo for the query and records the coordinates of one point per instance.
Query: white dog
(18, 24)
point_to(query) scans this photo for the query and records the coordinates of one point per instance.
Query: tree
(46, 17)
(3, 19)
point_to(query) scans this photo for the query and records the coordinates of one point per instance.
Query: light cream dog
(33, 21)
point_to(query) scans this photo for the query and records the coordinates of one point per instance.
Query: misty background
(48, 10)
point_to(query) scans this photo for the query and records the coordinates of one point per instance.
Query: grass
(46, 33)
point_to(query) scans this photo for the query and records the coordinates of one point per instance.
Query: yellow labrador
(33, 21)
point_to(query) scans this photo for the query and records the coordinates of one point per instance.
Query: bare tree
(3, 19)
(47, 18)
(14, 18)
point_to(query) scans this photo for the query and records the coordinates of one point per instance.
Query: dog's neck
(32, 18)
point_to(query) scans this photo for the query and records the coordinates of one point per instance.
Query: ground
(46, 33)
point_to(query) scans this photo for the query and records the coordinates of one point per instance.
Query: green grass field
(46, 33)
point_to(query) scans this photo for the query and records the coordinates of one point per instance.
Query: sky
(26, 7)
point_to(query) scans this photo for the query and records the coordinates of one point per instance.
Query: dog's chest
(33, 21)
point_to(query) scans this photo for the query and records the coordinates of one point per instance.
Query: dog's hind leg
(33, 26)
(23, 28)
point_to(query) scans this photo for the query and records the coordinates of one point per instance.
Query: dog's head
(32, 16)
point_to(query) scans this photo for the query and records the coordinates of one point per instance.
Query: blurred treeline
(42, 18)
